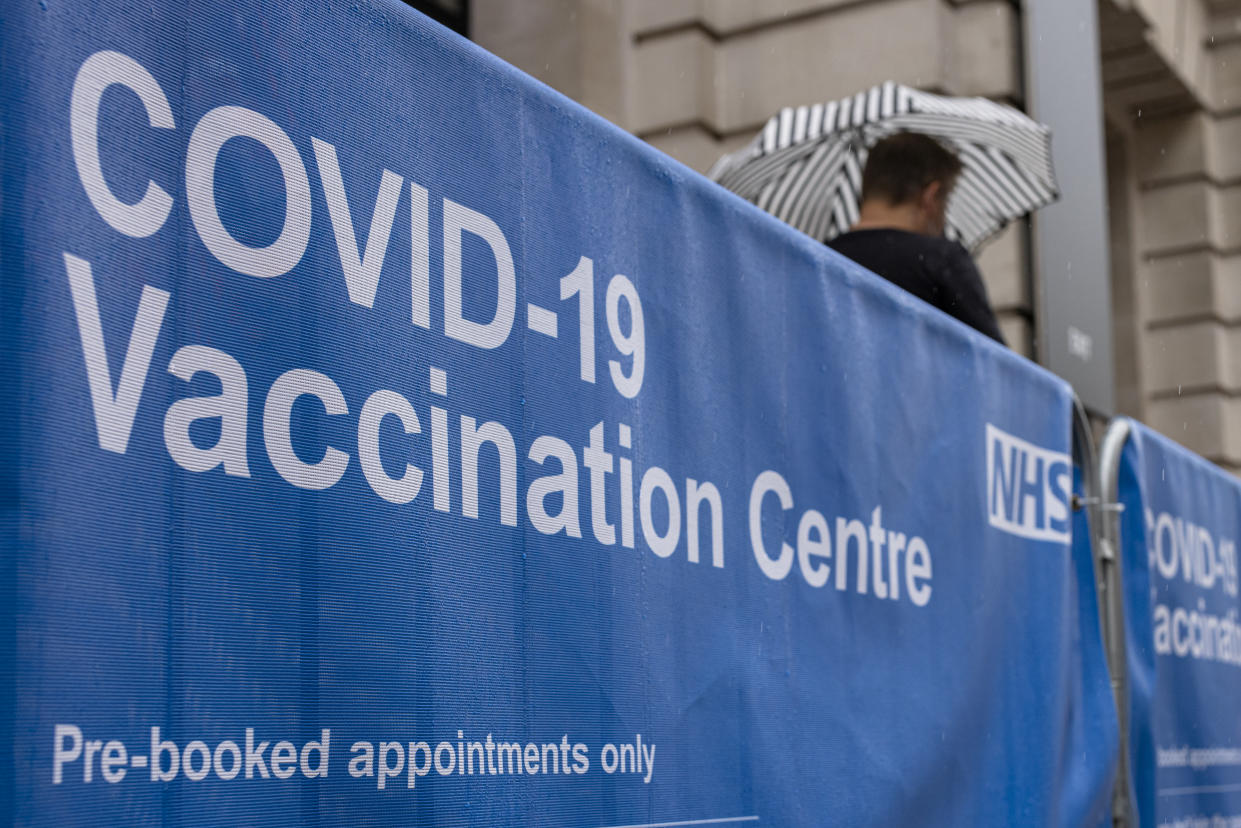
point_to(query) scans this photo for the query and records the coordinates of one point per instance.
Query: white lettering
(287, 388)
(100, 71)
(218, 127)
(457, 220)
(361, 272)
(769, 481)
(229, 406)
(401, 489)
(114, 413)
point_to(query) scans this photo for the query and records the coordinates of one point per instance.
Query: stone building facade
(697, 78)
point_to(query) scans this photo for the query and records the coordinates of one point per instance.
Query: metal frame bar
(1112, 601)
(1101, 484)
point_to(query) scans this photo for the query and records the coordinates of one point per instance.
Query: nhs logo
(1028, 488)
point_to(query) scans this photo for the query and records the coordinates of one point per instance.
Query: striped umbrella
(805, 167)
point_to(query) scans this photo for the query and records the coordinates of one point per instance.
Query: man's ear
(931, 195)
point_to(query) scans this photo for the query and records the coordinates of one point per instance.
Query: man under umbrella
(899, 233)
(807, 164)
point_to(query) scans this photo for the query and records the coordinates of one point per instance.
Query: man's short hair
(901, 166)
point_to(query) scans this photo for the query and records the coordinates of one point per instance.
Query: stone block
(1200, 422)
(1180, 287)
(603, 59)
(1162, 19)
(1004, 270)
(537, 36)
(982, 52)
(672, 82)
(1226, 280)
(730, 16)
(1226, 147)
(1227, 209)
(1171, 147)
(1193, 357)
(1224, 71)
(652, 15)
(826, 57)
(1176, 216)
(1018, 333)
(1178, 33)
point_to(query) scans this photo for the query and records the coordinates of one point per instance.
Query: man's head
(913, 174)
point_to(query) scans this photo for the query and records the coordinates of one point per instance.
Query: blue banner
(388, 440)
(1179, 532)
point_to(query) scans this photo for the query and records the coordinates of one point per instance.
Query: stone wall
(1172, 82)
(697, 78)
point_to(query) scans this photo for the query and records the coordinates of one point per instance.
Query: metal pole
(1112, 602)
(1085, 457)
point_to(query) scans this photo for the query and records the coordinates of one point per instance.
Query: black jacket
(932, 268)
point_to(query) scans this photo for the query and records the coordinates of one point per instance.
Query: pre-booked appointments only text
(77, 757)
